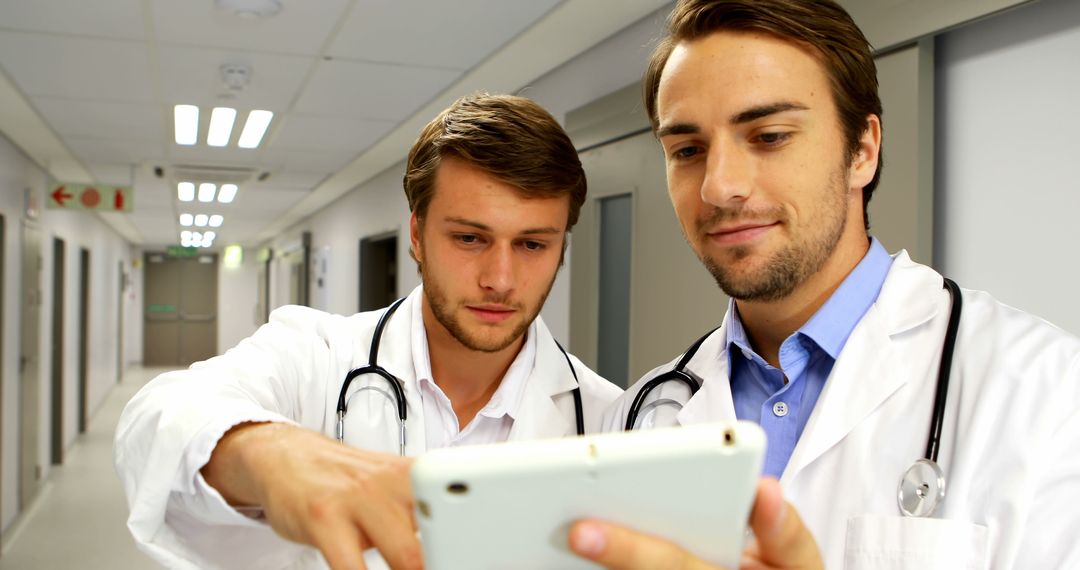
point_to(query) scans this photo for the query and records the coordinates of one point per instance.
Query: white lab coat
(291, 370)
(1010, 444)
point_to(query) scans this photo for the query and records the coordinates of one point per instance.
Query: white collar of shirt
(507, 397)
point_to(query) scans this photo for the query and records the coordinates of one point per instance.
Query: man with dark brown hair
(494, 185)
(769, 119)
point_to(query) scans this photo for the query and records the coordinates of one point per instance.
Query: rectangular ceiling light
(221, 124)
(185, 191)
(209, 236)
(227, 194)
(216, 220)
(186, 124)
(254, 128)
(206, 192)
(200, 220)
(186, 220)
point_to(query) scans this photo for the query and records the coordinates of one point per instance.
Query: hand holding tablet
(511, 505)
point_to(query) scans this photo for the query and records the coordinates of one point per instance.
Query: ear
(414, 238)
(864, 163)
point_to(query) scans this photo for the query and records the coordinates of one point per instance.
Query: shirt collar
(832, 324)
(506, 401)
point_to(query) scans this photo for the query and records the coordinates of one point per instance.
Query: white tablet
(510, 505)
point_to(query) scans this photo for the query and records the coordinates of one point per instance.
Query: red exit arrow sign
(102, 198)
(59, 197)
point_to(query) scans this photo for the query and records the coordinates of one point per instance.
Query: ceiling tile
(77, 68)
(391, 31)
(192, 75)
(227, 156)
(119, 19)
(371, 90)
(300, 27)
(325, 161)
(103, 119)
(290, 179)
(115, 151)
(308, 132)
(115, 174)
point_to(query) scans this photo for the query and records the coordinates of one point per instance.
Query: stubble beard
(443, 310)
(788, 268)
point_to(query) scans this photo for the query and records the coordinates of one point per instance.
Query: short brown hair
(511, 138)
(821, 25)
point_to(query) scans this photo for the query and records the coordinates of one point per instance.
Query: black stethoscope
(922, 488)
(397, 394)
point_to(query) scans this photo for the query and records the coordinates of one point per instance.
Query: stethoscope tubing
(927, 465)
(948, 347)
(678, 373)
(399, 390)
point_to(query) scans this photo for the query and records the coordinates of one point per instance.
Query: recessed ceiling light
(254, 128)
(227, 194)
(250, 8)
(209, 236)
(185, 235)
(185, 191)
(201, 220)
(186, 124)
(206, 192)
(186, 220)
(216, 220)
(221, 125)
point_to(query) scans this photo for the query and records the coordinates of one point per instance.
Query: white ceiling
(87, 89)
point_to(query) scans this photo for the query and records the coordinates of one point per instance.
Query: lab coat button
(780, 409)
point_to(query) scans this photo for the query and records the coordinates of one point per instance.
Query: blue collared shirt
(806, 359)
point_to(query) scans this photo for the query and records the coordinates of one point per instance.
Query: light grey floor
(79, 519)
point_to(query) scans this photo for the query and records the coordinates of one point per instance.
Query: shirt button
(780, 409)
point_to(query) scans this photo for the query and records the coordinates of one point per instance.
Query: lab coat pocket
(902, 543)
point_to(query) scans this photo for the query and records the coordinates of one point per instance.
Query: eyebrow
(487, 228)
(742, 117)
(755, 113)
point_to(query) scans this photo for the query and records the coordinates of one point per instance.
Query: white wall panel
(1008, 193)
(108, 250)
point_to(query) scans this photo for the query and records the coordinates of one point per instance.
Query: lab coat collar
(713, 400)
(870, 368)
(538, 415)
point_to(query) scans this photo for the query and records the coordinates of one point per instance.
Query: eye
(773, 138)
(685, 152)
(532, 245)
(467, 239)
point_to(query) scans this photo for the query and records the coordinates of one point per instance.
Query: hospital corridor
(82, 502)
(172, 172)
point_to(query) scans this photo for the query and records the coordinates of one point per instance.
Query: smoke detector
(236, 75)
(250, 9)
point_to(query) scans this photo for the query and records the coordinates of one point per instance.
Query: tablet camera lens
(457, 488)
(729, 437)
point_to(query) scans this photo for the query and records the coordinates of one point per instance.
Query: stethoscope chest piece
(922, 489)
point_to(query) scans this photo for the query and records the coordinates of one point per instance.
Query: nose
(728, 175)
(497, 269)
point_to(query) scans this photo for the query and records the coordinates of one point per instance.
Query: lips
(491, 313)
(740, 233)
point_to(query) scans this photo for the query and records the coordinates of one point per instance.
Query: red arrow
(118, 199)
(59, 195)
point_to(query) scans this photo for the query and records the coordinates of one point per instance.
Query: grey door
(56, 370)
(180, 322)
(672, 299)
(29, 365)
(378, 271)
